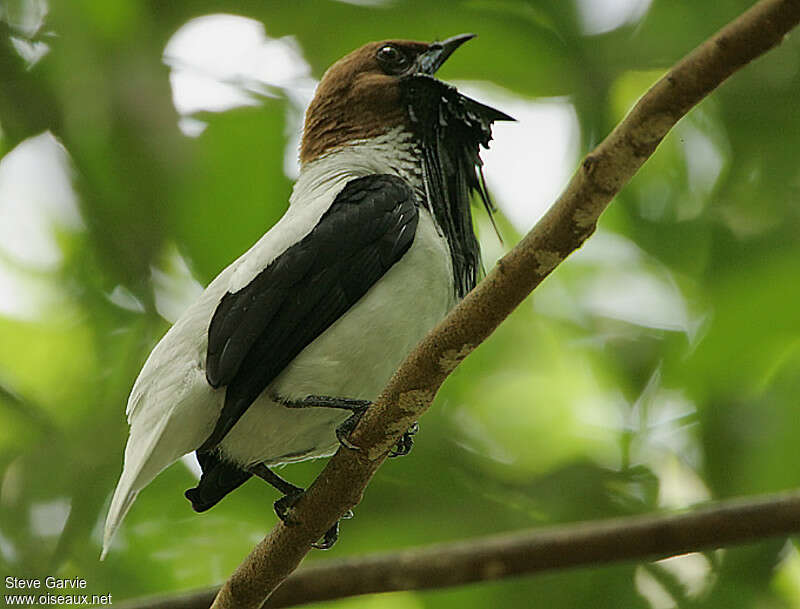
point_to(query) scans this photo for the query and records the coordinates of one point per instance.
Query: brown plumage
(356, 99)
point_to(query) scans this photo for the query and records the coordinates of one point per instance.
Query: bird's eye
(392, 59)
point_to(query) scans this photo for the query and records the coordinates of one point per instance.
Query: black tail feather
(219, 478)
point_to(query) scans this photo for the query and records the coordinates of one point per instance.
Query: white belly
(354, 358)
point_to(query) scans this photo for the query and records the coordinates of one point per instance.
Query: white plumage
(172, 409)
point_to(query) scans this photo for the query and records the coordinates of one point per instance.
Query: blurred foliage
(659, 367)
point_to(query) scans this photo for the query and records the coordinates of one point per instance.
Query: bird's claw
(406, 442)
(344, 430)
(329, 539)
(284, 505)
(283, 508)
(332, 534)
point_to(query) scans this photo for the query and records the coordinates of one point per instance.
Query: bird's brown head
(360, 96)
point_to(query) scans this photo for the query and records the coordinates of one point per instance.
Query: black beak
(438, 52)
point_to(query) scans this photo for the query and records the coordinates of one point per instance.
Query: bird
(284, 350)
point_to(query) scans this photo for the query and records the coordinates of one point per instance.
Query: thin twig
(563, 229)
(524, 552)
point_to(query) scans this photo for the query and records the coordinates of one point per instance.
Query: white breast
(354, 358)
(357, 355)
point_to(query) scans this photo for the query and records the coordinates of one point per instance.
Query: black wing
(258, 330)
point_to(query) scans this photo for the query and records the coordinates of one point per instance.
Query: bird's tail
(124, 496)
(145, 458)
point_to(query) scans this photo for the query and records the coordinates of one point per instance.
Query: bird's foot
(325, 401)
(291, 492)
(406, 442)
(270, 477)
(355, 406)
(284, 507)
(344, 430)
(331, 535)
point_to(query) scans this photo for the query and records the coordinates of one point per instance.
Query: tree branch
(570, 221)
(525, 552)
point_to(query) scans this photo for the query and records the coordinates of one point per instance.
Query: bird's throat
(450, 129)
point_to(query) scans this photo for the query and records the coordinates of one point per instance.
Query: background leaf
(657, 368)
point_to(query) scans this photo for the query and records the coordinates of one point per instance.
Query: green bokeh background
(567, 413)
